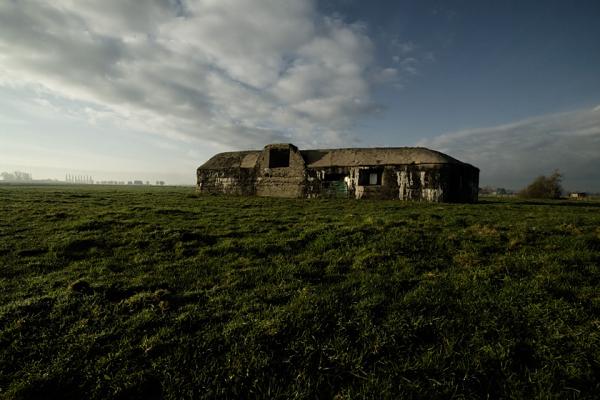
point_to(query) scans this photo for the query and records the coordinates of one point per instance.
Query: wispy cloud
(403, 47)
(234, 72)
(512, 154)
(408, 60)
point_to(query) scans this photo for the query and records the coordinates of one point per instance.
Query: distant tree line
(490, 190)
(16, 176)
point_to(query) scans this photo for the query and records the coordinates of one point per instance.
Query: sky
(130, 89)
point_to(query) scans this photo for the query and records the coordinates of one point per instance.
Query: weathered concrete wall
(280, 181)
(231, 181)
(421, 183)
(437, 183)
(429, 182)
(432, 183)
(463, 181)
(280, 170)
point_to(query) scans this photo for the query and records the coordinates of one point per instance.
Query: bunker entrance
(279, 158)
(334, 185)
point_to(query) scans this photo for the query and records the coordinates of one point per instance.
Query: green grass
(149, 293)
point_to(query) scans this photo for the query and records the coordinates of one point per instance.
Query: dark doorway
(334, 185)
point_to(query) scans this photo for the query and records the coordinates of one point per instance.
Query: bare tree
(544, 187)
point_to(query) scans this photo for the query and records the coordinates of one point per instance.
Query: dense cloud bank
(233, 72)
(513, 154)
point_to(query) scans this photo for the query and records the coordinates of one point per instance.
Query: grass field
(158, 293)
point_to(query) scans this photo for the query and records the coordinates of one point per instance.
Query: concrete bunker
(282, 170)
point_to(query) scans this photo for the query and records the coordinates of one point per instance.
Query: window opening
(279, 158)
(369, 177)
(373, 178)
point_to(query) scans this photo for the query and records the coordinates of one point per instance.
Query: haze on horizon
(123, 89)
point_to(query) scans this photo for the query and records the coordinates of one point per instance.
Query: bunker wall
(231, 181)
(280, 172)
(416, 182)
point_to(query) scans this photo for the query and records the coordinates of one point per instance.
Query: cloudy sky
(124, 89)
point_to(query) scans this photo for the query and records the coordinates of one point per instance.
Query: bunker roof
(349, 157)
(233, 159)
(374, 156)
